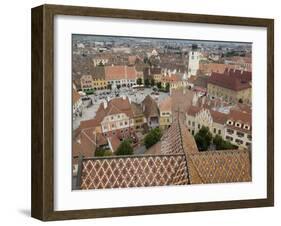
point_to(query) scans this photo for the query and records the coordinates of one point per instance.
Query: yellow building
(231, 86)
(99, 81)
(165, 108)
(138, 116)
(86, 82)
(99, 84)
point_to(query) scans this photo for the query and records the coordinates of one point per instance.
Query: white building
(234, 127)
(193, 62)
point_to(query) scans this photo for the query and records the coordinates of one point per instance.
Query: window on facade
(111, 117)
(112, 126)
(230, 131)
(219, 131)
(198, 126)
(239, 134)
(229, 138)
(215, 130)
(189, 122)
(238, 141)
(193, 123)
(249, 136)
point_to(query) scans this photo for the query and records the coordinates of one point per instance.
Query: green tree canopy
(125, 148)
(159, 85)
(139, 81)
(222, 144)
(152, 137)
(109, 86)
(146, 82)
(203, 138)
(102, 152)
(167, 87)
(152, 82)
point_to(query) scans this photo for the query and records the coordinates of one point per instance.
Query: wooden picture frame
(42, 203)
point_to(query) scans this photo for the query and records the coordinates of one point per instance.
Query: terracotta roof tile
(176, 166)
(217, 116)
(75, 96)
(166, 104)
(243, 117)
(114, 142)
(220, 166)
(230, 80)
(150, 107)
(120, 72)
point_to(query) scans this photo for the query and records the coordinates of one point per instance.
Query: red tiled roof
(75, 96)
(120, 72)
(219, 167)
(214, 67)
(150, 107)
(115, 142)
(91, 123)
(114, 106)
(166, 104)
(84, 143)
(178, 166)
(217, 116)
(171, 78)
(243, 117)
(231, 79)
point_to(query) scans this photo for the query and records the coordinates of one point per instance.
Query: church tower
(194, 59)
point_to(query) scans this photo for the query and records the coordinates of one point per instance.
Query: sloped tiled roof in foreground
(177, 162)
(136, 171)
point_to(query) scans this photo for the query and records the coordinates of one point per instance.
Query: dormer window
(229, 122)
(246, 126)
(238, 124)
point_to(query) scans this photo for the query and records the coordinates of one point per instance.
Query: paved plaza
(100, 96)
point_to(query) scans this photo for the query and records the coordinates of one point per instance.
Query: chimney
(203, 101)
(105, 104)
(195, 99)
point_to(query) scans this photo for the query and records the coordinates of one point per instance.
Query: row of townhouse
(114, 76)
(234, 126)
